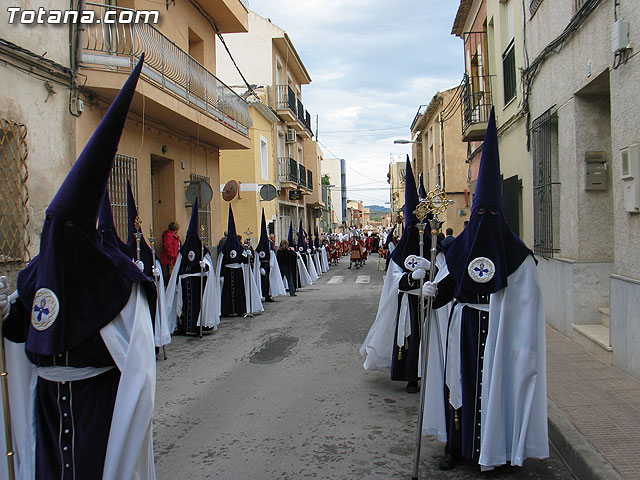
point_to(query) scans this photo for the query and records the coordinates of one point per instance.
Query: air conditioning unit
(291, 136)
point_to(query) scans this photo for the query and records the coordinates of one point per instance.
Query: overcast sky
(372, 63)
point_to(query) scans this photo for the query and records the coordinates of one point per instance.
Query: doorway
(163, 195)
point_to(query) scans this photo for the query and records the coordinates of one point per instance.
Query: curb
(583, 459)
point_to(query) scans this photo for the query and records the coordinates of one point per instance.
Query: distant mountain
(378, 209)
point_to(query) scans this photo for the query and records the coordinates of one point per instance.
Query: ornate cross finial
(137, 223)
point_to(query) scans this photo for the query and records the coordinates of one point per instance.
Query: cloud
(372, 63)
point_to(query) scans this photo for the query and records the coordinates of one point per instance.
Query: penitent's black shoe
(448, 462)
(412, 387)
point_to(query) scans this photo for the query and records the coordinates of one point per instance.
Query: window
(14, 216)
(264, 157)
(544, 146)
(509, 73)
(124, 168)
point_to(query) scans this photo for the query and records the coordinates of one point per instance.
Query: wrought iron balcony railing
(115, 45)
(307, 120)
(285, 98)
(303, 176)
(476, 101)
(287, 169)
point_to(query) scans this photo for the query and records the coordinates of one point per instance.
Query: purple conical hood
(79, 196)
(77, 284)
(302, 244)
(194, 222)
(146, 255)
(488, 194)
(486, 252)
(422, 191)
(232, 248)
(409, 243)
(263, 244)
(290, 238)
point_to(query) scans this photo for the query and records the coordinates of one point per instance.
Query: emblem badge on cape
(262, 254)
(233, 254)
(191, 256)
(45, 309)
(481, 270)
(411, 262)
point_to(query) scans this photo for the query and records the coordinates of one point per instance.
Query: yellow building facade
(252, 169)
(182, 115)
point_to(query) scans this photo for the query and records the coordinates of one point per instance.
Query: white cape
(276, 285)
(324, 259)
(211, 296)
(316, 262)
(162, 324)
(514, 420)
(311, 268)
(129, 338)
(305, 279)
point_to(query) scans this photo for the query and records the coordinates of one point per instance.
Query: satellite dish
(201, 190)
(230, 190)
(268, 192)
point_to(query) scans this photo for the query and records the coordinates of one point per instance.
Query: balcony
(116, 47)
(292, 111)
(302, 179)
(288, 172)
(476, 107)
(475, 89)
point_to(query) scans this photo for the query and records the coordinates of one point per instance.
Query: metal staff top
(137, 223)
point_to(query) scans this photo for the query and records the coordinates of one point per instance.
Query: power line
(365, 130)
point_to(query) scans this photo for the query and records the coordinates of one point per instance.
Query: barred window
(14, 194)
(124, 168)
(204, 211)
(544, 143)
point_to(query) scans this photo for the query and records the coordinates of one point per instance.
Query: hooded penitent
(59, 286)
(486, 252)
(146, 255)
(409, 243)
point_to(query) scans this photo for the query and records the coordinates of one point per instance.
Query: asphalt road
(283, 395)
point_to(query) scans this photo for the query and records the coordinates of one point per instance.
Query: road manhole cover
(274, 350)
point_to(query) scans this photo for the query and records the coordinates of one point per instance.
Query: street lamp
(403, 141)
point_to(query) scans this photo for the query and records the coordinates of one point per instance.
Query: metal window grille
(544, 148)
(124, 168)
(509, 73)
(204, 211)
(14, 194)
